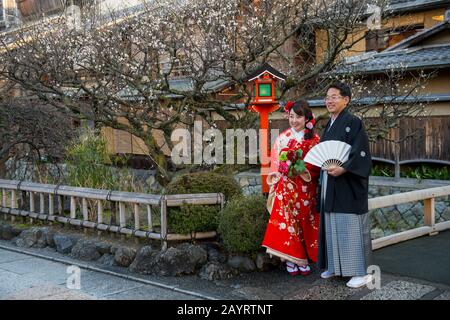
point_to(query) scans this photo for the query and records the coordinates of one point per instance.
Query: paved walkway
(425, 258)
(29, 277)
(26, 277)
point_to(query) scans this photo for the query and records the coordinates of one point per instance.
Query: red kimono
(292, 231)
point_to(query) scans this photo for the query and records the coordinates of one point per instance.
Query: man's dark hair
(343, 88)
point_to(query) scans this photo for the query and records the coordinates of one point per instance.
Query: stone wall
(389, 220)
(250, 182)
(53, 172)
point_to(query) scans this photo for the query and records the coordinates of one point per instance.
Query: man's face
(335, 102)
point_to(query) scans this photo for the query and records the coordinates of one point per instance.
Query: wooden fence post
(73, 207)
(13, 203)
(137, 225)
(32, 205)
(163, 223)
(122, 218)
(42, 203)
(4, 202)
(84, 205)
(149, 218)
(430, 214)
(4, 198)
(99, 214)
(51, 205)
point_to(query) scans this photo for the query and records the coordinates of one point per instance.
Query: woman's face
(295, 121)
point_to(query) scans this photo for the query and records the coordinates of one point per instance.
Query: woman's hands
(305, 175)
(273, 178)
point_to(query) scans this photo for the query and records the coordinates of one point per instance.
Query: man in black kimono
(344, 239)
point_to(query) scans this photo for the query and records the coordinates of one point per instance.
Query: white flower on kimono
(282, 226)
(297, 205)
(291, 229)
(290, 186)
(305, 202)
(304, 188)
(280, 197)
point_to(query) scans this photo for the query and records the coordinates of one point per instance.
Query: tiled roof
(395, 6)
(429, 98)
(265, 68)
(181, 85)
(435, 56)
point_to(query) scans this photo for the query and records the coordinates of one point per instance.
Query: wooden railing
(16, 193)
(19, 191)
(430, 226)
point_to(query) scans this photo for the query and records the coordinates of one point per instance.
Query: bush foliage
(242, 224)
(89, 166)
(197, 218)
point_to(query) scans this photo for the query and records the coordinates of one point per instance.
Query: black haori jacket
(348, 193)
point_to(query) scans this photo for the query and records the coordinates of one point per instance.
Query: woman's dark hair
(301, 108)
(343, 88)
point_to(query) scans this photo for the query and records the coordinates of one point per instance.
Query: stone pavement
(28, 277)
(424, 258)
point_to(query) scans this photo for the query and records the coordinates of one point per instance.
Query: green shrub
(419, 172)
(87, 157)
(188, 219)
(197, 218)
(242, 224)
(382, 171)
(204, 182)
(89, 166)
(427, 172)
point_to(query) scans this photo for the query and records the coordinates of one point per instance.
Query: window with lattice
(379, 40)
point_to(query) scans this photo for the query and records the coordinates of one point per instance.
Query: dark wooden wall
(430, 139)
(30, 8)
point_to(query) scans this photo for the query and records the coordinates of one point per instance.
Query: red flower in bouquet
(283, 168)
(291, 163)
(292, 155)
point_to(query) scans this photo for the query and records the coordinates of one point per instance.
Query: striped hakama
(349, 246)
(348, 242)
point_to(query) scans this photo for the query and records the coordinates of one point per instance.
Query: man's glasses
(332, 98)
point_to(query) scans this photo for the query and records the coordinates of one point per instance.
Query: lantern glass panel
(265, 90)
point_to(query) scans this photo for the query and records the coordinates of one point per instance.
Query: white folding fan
(328, 153)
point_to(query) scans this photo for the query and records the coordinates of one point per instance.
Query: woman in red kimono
(292, 231)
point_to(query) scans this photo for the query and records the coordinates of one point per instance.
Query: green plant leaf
(283, 156)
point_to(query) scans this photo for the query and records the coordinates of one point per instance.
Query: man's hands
(336, 171)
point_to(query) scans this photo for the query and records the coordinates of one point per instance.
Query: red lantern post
(264, 102)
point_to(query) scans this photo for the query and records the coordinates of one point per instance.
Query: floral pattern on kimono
(292, 231)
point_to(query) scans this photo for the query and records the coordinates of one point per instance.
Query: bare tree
(159, 66)
(30, 133)
(384, 100)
